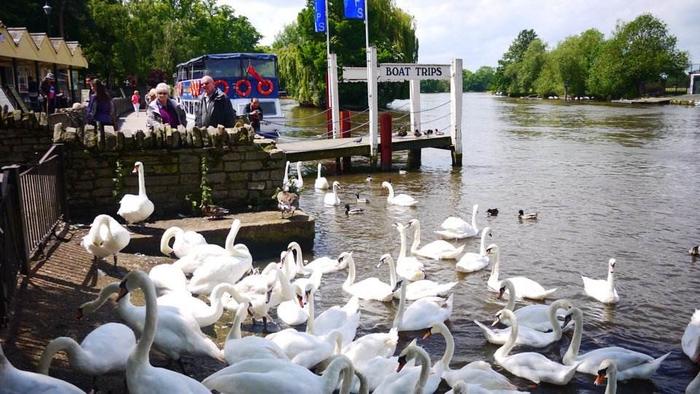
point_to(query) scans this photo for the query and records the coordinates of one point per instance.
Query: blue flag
(320, 8)
(354, 9)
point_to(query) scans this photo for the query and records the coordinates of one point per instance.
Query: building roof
(19, 43)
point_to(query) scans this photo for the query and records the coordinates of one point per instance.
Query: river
(608, 181)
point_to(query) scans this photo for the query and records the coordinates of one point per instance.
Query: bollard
(385, 140)
(345, 126)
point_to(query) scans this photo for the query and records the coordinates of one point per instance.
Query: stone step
(265, 233)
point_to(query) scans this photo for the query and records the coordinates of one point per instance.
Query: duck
(408, 267)
(361, 200)
(456, 228)
(177, 333)
(419, 288)
(524, 287)
(694, 251)
(472, 262)
(201, 253)
(266, 376)
(630, 364)
(135, 208)
(403, 200)
(104, 350)
(476, 372)
(530, 216)
(529, 365)
(436, 250)
(602, 290)
(423, 312)
(331, 198)
(368, 179)
(214, 212)
(185, 241)
(418, 379)
(106, 238)
(690, 342)
(353, 211)
(535, 316)
(18, 381)
(529, 336)
(287, 202)
(321, 181)
(238, 348)
(492, 212)
(141, 376)
(369, 288)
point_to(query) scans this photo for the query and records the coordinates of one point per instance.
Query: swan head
(505, 285)
(385, 259)
(492, 249)
(399, 284)
(408, 353)
(336, 184)
(503, 314)
(386, 185)
(604, 370)
(611, 265)
(414, 223)
(368, 179)
(138, 165)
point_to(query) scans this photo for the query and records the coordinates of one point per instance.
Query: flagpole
(328, 34)
(366, 24)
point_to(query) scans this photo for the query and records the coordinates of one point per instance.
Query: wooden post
(456, 111)
(414, 159)
(345, 126)
(329, 114)
(385, 137)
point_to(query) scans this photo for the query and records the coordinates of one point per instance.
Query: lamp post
(47, 11)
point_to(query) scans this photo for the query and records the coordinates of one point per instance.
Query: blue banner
(320, 9)
(355, 9)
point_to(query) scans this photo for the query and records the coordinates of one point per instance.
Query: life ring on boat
(195, 88)
(265, 87)
(243, 92)
(222, 84)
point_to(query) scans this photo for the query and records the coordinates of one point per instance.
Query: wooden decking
(354, 146)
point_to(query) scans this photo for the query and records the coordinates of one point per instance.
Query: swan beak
(498, 320)
(567, 319)
(79, 314)
(122, 292)
(427, 334)
(501, 291)
(402, 362)
(599, 379)
(135, 170)
(301, 301)
(398, 286)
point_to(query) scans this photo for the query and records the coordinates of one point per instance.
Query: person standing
(164, 110)
(136, 102)
(48, 93)
(214, 107)
(255, 113)
(100, 107)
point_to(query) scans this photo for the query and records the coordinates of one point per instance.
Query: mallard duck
(527, 216)
(353, 211)
(214, 212)
(287, 202)
(694, 251)
(492, 212)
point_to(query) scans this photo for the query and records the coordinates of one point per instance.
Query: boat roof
(233, 55)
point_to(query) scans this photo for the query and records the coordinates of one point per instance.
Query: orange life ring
(248, 89)
(261, 87)
(220, 83)
(195, 88)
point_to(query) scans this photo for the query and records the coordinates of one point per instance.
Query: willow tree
(302, 52)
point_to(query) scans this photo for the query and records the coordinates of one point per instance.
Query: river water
(608, 182)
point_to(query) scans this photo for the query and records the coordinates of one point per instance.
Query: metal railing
(12, 256)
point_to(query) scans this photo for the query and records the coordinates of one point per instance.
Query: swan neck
(311, 312)
(449, 348)
(511, 295)
(611, 280)
(149, 330)
(391, 193)
(416, 238)
(424, 371)
(319, 170)
(552, 312)
(142, 182)
(611, 387)
(402, 237)
(105, 293)
(235, 332)
(402, 305)
(165, 240)
(495, 271)
(298, 172)
(231, 237)
(331, 376)
(72, 348)
(474, 211)
(572, 352)
(392, 273)
(299, 259)
(351, 272)
(505, 349)
(482, 247)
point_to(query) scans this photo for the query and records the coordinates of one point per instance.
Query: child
(136, 101)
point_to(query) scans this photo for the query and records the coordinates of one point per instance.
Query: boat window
(224, 68)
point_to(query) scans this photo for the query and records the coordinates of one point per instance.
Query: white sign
(396, 72)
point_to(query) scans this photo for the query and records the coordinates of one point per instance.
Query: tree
(568, 65)
(506, 72)
(529, 68)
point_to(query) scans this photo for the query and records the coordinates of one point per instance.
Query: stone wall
(24, 138)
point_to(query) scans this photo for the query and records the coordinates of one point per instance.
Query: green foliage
(205, 197)
(507, 70)
(302, 52)
(118, 180)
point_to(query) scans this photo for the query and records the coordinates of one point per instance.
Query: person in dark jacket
(164, 110)
(100, 107)
(214, 107)
(255, 113)
(48, 93)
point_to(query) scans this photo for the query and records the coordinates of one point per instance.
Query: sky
(480, 31)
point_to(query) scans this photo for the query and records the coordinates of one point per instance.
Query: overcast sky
(480, 31)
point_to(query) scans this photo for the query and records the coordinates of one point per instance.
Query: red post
(345, 127)
(385, 140)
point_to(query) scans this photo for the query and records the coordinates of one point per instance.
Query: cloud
(480, 31)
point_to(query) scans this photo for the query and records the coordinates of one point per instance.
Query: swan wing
(424, 312)
(18, 381)
(321, 183)
(109, 346)
(250, 348)
(481, 374)
(629, 362)
(600, 290)
(472, 262)
(691, 337)
(528, 288)
(403, 200)
(440, 249)
(425, 288)
(538, 368)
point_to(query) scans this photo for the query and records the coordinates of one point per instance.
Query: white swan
(106, 238)
(403, 200)
(177, 333)
(524, 287)
(456, 228)
(168, 278)
(293, 263)
(184, 243)
(200, 253)
(103, 351)
(292, 310)
(408, 267)
(423, 312)
(602, 290)
(691, 338)
(136, 208)
(416, 380)
(630, 364)
(17, 381)
(306, 349)
(344, 319)
(331, 198)
(369, 288)
(461, 387)
(436, 250)
(326, 265)
(530, 365)
(607, 369)
(535, 316)
(141, 376)
(299, 182)
(321, 181)
(528, 336)
(237, 348)
(420, 288)
(477, 372)
(279, 376)
(204, 314)
(224, 268)
(694, 385)
(472, 262)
